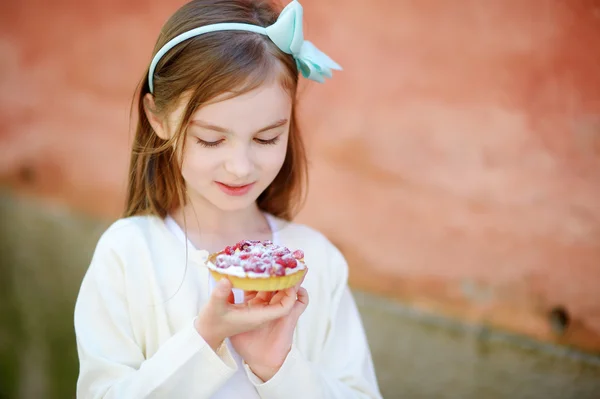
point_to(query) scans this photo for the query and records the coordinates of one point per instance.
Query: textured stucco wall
(469, 131)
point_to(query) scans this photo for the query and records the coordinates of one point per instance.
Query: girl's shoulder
(127, 234)
(130, 245)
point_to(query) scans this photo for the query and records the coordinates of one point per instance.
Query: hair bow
(288, 35)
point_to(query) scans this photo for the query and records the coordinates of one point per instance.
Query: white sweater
(134, 323)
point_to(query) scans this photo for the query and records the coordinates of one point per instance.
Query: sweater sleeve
(113, 364)
(345, 370)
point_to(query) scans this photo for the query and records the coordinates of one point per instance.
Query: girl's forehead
(257, 108)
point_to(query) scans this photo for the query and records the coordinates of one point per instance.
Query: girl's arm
(345, 369)
(112, 363)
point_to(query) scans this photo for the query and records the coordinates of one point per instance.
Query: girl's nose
(239, 162)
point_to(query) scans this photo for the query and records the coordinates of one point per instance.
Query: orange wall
(457, 155)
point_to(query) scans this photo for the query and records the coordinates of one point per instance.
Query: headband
(286, 33)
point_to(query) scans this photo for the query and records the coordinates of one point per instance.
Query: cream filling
(238, 271)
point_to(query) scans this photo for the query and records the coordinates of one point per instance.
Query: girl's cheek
(204, 159)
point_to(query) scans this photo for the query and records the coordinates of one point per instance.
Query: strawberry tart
(258, 266)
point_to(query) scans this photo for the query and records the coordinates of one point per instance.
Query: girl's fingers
(265, 296)
(279, 309)
(303, 296)
(285, 299)
(279, 295)
(264, 306)
(231, 297)
(221, 294)
(280, 305)
(249, 295)
(301, 303)
(261, 298)
(255, 316)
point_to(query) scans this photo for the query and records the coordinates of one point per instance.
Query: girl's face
(235, 147)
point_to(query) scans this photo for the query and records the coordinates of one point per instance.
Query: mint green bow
(286, 33)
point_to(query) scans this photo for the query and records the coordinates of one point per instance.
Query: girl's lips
(235, 190)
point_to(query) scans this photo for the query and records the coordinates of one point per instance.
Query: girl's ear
(158, 124)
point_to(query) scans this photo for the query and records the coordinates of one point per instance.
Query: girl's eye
(209, 143)
(268, 142)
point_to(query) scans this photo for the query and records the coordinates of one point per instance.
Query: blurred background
(455, 162)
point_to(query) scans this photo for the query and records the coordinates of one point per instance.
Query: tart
(258, 266)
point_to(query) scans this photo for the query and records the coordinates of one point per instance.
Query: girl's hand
(264, 349)
(222, 318)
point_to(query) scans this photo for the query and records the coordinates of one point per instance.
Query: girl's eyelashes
(209, 144)
(268, 142)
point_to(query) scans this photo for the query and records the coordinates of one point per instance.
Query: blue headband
(286, 33)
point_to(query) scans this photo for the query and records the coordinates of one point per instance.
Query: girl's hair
(202, 68)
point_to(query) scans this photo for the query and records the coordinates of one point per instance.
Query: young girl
(218, 158)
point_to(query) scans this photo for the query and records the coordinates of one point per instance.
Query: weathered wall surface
(457, 156)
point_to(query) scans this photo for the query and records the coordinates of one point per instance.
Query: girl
(218, 158)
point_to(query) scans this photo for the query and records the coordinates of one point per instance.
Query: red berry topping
(278, 270)
(281, 252)
(260, 268)
(280, 261)
(241, 245)
(290, 263)
(261, 257)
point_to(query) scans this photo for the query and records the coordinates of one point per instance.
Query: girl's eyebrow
(219, 129)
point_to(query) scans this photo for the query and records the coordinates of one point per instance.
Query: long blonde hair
(207, 66)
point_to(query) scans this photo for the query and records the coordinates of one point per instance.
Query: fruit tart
(258, 266)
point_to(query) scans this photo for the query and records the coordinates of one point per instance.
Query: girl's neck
(211, 228)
